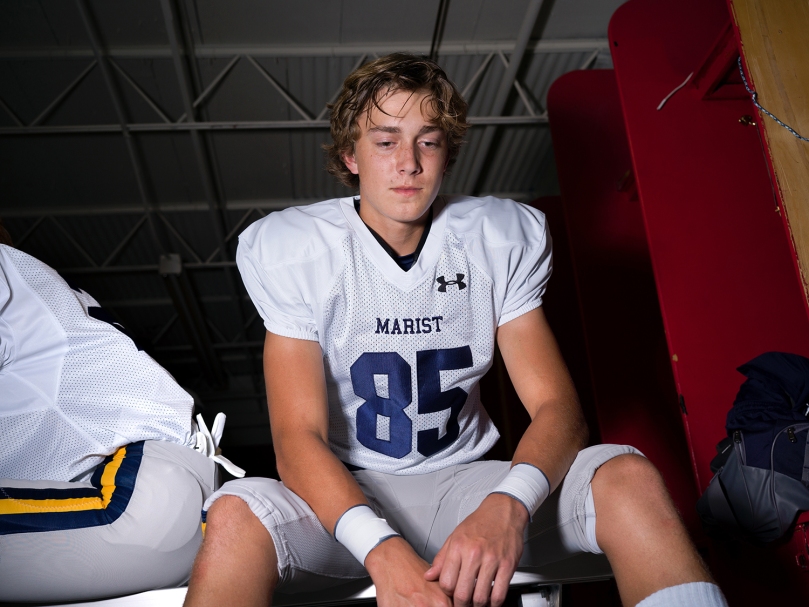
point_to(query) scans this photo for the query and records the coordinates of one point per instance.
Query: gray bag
(754, 502)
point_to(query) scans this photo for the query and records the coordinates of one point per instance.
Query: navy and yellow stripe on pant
(134, 526)
(30, 510)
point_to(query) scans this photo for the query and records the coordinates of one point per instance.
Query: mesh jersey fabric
(73, 389)
(403, 351)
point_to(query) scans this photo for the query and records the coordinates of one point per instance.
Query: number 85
(429, 364)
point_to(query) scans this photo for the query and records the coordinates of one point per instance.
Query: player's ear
(350, 161)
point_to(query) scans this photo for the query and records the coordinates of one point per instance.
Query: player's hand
(398, 573)
(476, 563)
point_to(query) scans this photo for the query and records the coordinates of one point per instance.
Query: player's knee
(228, 513)
(630, 497)
(230, 520)
(628, 478)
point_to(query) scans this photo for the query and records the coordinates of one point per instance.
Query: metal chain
(754, 95)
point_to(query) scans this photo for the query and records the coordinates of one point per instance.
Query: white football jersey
(403, 351)
(73, 387)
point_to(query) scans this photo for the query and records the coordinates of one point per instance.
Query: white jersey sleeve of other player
(73, 388)
(403, 351)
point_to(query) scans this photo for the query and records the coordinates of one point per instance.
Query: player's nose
(408, 159)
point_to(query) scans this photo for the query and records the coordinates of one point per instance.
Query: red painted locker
(723, 266)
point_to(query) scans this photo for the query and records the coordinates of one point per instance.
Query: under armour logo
(443, 283)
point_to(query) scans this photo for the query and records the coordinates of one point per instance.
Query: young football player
(382, 313)
(102, 471)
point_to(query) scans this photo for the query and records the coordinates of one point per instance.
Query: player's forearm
(296, 395)
(307, 466)
(540, 377)
(554, 437)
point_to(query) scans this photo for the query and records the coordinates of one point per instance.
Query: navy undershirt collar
(405, 261)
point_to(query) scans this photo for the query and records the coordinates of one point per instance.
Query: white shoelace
(208, 443)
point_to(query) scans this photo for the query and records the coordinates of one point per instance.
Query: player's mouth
(406, 191)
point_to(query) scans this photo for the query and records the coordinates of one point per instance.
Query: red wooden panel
(635, 398)
(722, 262)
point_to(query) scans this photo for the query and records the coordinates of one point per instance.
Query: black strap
(805, 475)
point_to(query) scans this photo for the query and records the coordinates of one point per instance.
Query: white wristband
(360, 530)
(527, 484)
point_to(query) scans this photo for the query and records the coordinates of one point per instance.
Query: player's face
(400, 158)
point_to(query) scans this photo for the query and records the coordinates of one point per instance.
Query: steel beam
(251, 320)
(184, 80)
(74, 242)
(143, 94)
(63, 95)
(187, 306)
(270, 204)
(213, 85)
(200, 151)
(233, 231)
(145, 268)
(476, 76)
(174, 318)
(260, 206)
(179, 237)
(213, 51)
(256, 125)
(170, 267)
(591, 59)
(438, 31)
(202, 155)
(520, 90)
(152, 302)
(11, 113)
(126, 240)
(506, 84)
(134, 157)
(281, 90)
(336, 94)
(236, 346)
(30, 230)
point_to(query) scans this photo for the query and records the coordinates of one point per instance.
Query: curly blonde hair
(388, 74)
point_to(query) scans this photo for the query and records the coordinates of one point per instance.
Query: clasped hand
(473, 567)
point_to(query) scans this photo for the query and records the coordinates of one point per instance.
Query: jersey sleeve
(529, 267)
(276, 292)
